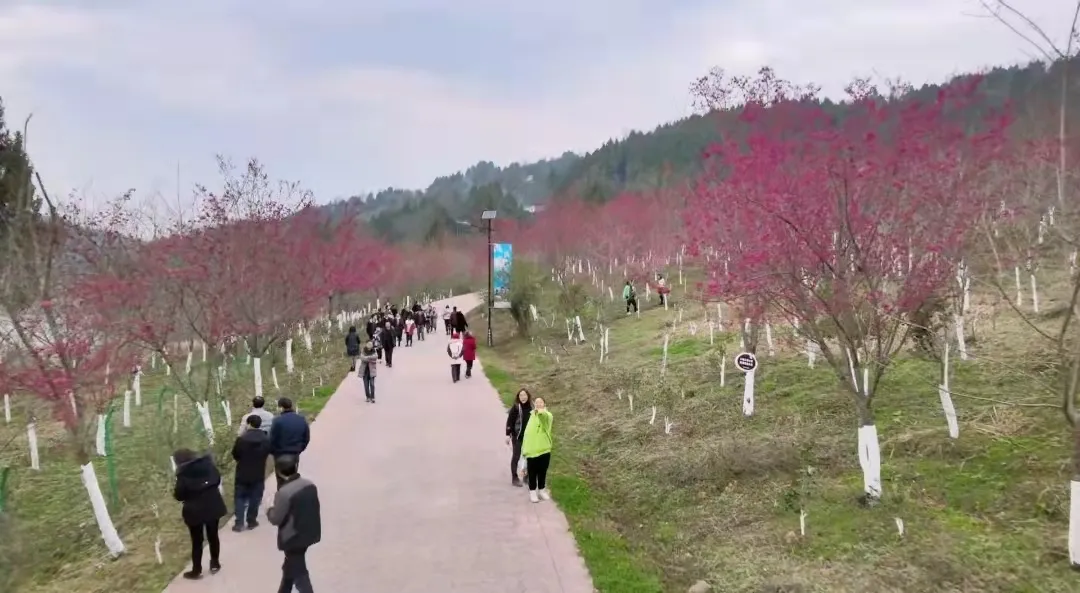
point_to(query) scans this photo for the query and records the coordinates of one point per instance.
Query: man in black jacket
(250, 452)
(457, 321)
(289, 433)
(296, 512)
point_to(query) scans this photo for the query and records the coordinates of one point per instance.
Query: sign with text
(746, 362)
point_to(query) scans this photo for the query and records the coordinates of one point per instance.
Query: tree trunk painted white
(136, 385)
(1034, 294)
(652, 419)
(1019, 288)
(273, 376)
(946, 396)
(101, 511)
(31, 440)
(74, 404)
(208, 424)
(768, 339)
(580, 331)
(748, 395)
(711, 339)
(723, 370)
(204, 351)
(668, 425)
(157, 550)
(172, 463)
(1074, 523)
(258, 377)
(802, 522)
(127, 409)
(99, 442)
(290, 364)
(870, 461)
(307, 341)
(648, 293)
(630, 400)
(228, 412)
(811, 353)
(168, 370)
(153, 360)
(176, 412)
(961, 342)
(7, 408)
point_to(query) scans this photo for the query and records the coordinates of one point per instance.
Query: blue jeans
(369, 385)
(248, 498)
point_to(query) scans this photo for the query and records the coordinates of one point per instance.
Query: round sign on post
(746, 362)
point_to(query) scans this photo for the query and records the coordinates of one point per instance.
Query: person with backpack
(197, 489)
(454, 350)
(630, 297)
(250, 452)
(517, 418)
(297, 513)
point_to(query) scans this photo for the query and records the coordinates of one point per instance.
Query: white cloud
(206, 77)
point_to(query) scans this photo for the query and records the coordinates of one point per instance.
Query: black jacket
(352, 344)
(289, 434)
(517, 418)
(370, 329)
(458, 323)
(250, 452)
(197, 484)
(297, 514)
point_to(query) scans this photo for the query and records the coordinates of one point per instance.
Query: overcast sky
(349, 96)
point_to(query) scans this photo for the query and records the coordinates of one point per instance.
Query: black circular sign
(746, 362)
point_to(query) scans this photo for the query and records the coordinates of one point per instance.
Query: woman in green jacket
(536, 447)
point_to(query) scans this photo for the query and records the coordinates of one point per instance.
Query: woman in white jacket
(454, 350)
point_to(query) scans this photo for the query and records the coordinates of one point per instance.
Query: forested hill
(641, 160)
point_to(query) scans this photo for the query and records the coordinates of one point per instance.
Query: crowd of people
(295, 510)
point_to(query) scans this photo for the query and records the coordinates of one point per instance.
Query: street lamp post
(489, 215)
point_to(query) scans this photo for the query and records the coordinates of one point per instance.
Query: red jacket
(468, 348)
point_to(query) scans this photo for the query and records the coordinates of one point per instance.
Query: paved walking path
(416, 495)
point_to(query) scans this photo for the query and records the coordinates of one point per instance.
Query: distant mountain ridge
(641, 160)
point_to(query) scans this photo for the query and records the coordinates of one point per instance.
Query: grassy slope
(55, 545)
(720, 497)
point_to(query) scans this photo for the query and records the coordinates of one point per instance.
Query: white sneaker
(533, 497)
(545, 494)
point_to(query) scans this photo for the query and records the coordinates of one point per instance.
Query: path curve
(416, 495)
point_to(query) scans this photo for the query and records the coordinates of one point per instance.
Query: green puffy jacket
(537, 439)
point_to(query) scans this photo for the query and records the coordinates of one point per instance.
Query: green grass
(719, 498)
(49, 541)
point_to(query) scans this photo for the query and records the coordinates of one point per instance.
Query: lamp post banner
(502, 255)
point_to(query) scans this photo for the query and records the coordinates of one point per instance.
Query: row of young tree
(864, 231)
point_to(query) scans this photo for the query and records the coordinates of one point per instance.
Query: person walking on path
(289, 433)
(258, 408)
(446, 319)
(352, 346)
(389, 343)
(296, 513)
(517, 419)
(197, 483)
(368, 365)
(630, 297)
(250, 452)
(410, 329)
(468, 352)
(536, 447)
(458, 322)
(454, 350)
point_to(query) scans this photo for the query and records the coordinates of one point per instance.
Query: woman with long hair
(517, 417)
(197, 488)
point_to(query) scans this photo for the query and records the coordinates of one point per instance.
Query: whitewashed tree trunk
(723, 370)
(273, 376)
(204, 351)
(127, 409)
(228, 412)
(187, 365)
(663, 360)
(1034, 294)
(136, 385)
(946, 396)
(208, 424)
(7, 408)
(1074, 523)
(961, 342)
(99, 442)
(290, 365)
(1019, 288)
(258, 377)
(768, 339)
(31, 440)
(101, 511)
(870, 461)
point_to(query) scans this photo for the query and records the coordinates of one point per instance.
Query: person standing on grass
(368, 364)
(630, 297)
(352, 346)
(468, 352)
(197, 483)
(258, 408)
(289, 433)
(297, 514)
(250, 452)
(517, 419)
(389, 343)
(536, 447)
(454, 350)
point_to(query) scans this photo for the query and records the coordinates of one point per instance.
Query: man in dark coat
(457, 321)
(297, 514)
(197, 488)
(250, 452)
(352, 347)
(289, 433)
